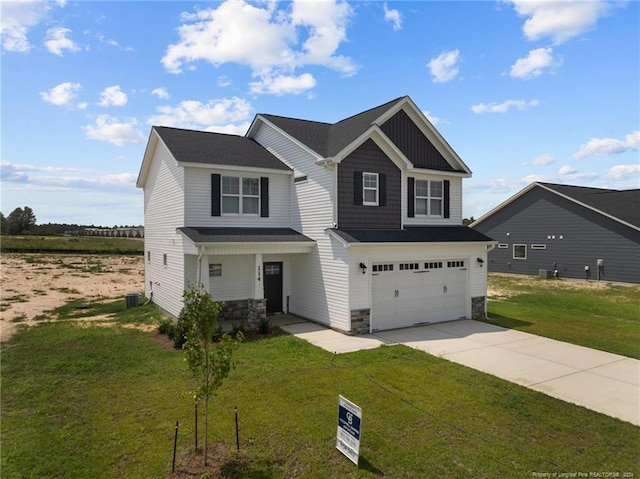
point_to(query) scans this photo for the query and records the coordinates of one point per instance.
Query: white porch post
(258, 288)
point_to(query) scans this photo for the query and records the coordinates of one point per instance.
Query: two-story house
(356, 225)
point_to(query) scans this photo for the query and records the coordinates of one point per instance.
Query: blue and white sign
(349, 426)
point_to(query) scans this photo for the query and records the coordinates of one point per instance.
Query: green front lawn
(83, 400)
(601, 316)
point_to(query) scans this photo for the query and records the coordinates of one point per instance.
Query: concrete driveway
(601, 381)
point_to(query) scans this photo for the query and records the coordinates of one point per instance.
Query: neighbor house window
(215, 270)
(370, 189)
(519, 251)
(538, 246)
(428, 198)
(240, 195)
(503, 245)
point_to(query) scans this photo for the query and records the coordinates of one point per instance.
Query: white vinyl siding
(237, 277)
(198, 200)
(319, 288)
(164, 207)
(455, 202)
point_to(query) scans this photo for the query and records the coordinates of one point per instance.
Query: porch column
(258, 288)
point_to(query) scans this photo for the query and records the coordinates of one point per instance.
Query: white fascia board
(584, 205)
(286, 135)
(329, 232)
(434, 243)
(249, 169)
(503, 204)
(147, 158)
(455, 174)
(430, 131)
(378, 136)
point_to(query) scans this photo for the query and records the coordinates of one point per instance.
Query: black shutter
(264, 197)
(411, 197)
(445, 193)
(357, 187)
(215, 194)
(382, 200)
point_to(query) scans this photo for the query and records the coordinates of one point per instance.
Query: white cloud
(392, 15)
(624, 173)
(534, 64)
(107, 41)
(504, 107)
(65, 177)
(608, 146)
(16, 19)
(57, 41)
(543, 160)
(571, 174)
(432, 118)
(444, 67)
(113, 130)
(265, 39)
(62, 94)
(113, 96)
(215, 115)
(224, 81)
(283, 84)
(160, 92)
(559, 20)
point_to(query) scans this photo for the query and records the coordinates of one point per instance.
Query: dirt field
(33, 284)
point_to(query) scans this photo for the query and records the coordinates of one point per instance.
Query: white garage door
(416, 292)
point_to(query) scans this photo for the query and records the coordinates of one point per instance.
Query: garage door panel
(404, 297)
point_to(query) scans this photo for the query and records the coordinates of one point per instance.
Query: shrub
(166, 326)
(263, 325)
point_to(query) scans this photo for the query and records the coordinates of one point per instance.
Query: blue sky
(522, 90)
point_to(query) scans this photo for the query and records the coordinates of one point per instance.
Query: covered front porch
(250, 269)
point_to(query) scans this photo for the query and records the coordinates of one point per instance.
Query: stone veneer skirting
(241, 310)
(478, 307)
(360, 321)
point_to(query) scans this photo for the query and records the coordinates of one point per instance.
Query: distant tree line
(22, 221)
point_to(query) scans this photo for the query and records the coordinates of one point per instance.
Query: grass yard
(597, 315)
(100, 398)
(71, 244)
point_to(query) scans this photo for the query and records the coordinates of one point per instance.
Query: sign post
(349, 426)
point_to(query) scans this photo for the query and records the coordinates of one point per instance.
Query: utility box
(545, 274)
(131, 300)
(600, 262)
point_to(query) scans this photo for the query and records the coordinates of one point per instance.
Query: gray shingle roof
(621, 204)
(414, 234)
(328, 139)
(190, 146)
(244, 235)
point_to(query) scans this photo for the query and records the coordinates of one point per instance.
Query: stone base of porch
(360, 321)
(244, 311)
(478, 307)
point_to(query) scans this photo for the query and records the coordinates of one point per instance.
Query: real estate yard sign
(349, 424)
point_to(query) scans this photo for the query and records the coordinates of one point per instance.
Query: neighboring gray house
(587, 233)
(355, 224)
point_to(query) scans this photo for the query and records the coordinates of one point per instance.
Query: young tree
(209, 362)
(20, 221)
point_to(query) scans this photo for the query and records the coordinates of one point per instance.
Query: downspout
(199, 270)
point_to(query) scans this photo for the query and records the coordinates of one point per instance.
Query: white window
(428, 198)
(538, 246)
(503, 245)
(240, 195)
(519, 251)
(215, 270)
(370, 189)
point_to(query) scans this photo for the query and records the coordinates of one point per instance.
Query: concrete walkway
(601, 381)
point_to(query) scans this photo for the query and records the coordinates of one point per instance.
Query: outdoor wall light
(480, 261)
(363, 267)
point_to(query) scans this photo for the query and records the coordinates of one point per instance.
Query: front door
(273, 286)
